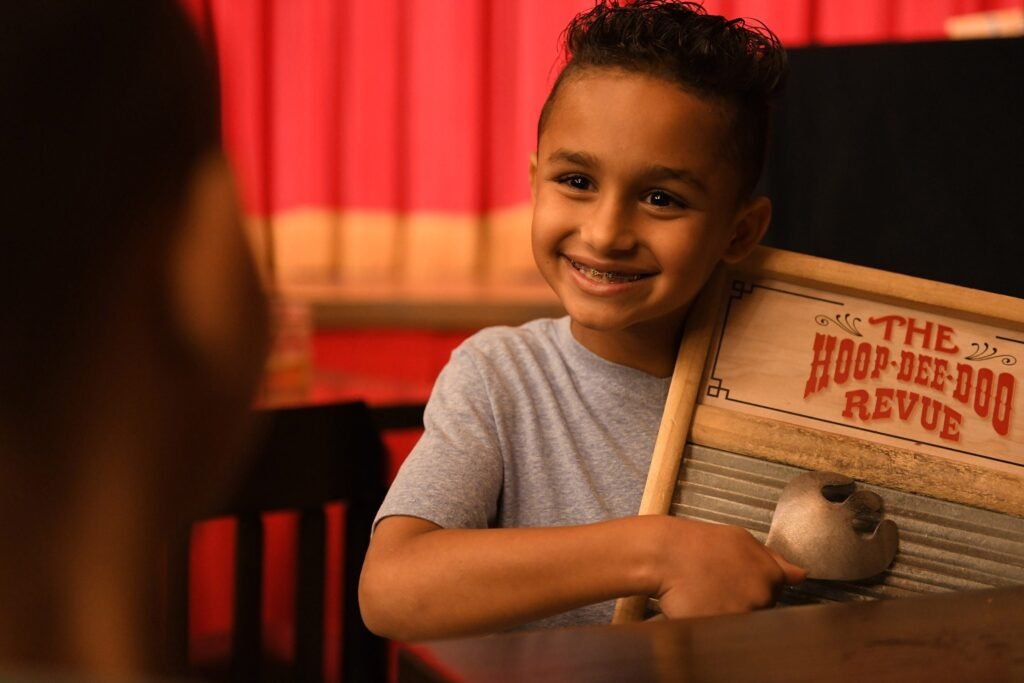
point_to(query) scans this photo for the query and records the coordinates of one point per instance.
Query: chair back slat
(306, 458)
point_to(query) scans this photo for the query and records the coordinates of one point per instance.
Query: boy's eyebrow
(653, 172)
(658, 172)
(579, 158)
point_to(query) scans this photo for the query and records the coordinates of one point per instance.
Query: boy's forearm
(420, 581)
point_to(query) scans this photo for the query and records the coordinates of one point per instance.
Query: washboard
(911, 387)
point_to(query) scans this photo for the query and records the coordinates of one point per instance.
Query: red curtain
(426, 105)
(384, 104)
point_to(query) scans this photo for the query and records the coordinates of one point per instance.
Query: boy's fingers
(793, 574)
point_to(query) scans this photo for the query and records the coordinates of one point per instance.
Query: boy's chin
(600, 321)
(591, 317)
(612, 321)
(597, 323)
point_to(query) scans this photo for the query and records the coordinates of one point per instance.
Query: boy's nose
(608, 229)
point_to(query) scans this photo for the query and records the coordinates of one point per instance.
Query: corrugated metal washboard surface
(943, 546)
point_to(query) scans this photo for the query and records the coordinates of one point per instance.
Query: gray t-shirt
(527, 428)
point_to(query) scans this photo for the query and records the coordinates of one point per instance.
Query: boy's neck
(648, 348)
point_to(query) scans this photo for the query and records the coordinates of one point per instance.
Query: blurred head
(126, 286)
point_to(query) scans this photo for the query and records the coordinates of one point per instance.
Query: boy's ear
(533, 175)
(750, 227)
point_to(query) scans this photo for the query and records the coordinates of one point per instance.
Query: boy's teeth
(603, 276)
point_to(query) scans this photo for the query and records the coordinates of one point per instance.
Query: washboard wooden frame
(854, 321)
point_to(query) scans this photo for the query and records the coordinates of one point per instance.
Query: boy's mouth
(605, 276)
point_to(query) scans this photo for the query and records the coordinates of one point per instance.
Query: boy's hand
(421, 581)
(717, 569)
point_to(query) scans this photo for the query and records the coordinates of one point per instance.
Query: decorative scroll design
(843, 322)
(990, 353)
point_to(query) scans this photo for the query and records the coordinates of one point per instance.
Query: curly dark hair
(740, 64)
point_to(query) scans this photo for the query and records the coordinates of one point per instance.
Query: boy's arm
(420, 581)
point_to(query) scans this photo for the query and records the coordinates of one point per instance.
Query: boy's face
(635, 200)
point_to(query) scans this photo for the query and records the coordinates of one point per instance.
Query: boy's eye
(662, 199)
(576, 182)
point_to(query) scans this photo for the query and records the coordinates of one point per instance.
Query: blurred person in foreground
(133, 323)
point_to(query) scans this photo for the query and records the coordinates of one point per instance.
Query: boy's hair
(712, 57)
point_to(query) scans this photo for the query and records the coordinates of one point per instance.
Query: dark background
(905, 157)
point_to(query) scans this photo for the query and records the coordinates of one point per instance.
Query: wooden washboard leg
(677, 417)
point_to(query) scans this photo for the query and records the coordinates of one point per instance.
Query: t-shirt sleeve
(453, 477)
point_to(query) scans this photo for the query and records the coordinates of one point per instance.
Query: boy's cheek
(552, 212)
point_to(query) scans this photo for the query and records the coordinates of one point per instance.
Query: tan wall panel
(509, 256)
(444, 253)
(440, 248)
(305, 245)
(367, 248)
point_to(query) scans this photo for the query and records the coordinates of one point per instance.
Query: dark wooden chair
(308, 457)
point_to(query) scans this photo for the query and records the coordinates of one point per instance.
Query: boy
(514, 507)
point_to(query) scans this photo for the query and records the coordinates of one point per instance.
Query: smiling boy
(518, 504)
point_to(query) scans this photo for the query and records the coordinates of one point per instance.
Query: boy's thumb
(793, 574)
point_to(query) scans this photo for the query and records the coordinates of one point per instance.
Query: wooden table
(976, 636)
